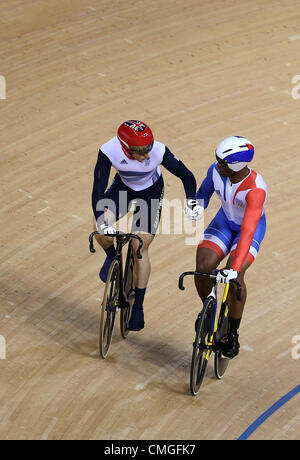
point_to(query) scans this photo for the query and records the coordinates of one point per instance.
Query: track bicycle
(119, 290)
(211, 329)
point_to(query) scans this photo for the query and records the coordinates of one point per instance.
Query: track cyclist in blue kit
(238, 228)
(137, 157)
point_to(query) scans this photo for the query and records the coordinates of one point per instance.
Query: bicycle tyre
(201, 352)
(221, 362)
(128, 284)
(108, 309)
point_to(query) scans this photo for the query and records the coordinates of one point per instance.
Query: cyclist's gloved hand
(226, 275)
(193, 209)
(107, 229)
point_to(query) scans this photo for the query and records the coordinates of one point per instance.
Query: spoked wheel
(221, 363)
(129, 294)
(201, 350)
(109, 309)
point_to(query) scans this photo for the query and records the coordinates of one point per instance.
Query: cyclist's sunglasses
(141, 150)
(222, 162)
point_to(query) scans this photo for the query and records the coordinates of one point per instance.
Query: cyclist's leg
(213, 247)
(112, 213)
(235, 311)
(142, 266)
(207, 260)
(235, 306)
(145, 224)
(142, 269)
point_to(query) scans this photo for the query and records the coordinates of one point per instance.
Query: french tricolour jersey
(234, 197)
(136, 175)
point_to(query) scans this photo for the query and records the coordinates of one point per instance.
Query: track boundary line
(263, 417)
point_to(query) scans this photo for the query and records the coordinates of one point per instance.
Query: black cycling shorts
(148, 203)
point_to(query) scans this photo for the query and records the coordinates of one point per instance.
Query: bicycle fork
(214, 328)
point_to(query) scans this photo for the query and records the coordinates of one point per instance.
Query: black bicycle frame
(122, 240)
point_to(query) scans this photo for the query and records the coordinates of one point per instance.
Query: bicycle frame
(122, 240)
(210, 330)
(223, 311)
(120, 244)
(118, 290)
(213, 296)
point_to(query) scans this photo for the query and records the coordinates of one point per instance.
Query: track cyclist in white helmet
(238, 228)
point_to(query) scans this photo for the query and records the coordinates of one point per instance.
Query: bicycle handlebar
(211, 276)
(118, 234)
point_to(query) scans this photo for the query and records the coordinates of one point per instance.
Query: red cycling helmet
(135, 137)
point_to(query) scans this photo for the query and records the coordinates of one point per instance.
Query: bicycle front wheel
(221, 362)
(109, 309)
(128, 283)
(201, 350)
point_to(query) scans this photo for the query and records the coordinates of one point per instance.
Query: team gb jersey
(133, 173)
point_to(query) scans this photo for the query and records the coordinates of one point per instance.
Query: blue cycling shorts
(222, 239)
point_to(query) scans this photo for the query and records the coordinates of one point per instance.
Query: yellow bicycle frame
(210, 341)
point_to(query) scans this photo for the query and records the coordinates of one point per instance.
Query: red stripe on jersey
(248, 183)
(255, 201)
(250, 257)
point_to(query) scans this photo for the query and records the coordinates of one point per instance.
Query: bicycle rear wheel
(109, 309)
(221, 362)
(201, 350)
(128, 284)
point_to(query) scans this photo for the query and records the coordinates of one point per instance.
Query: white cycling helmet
(235, 153)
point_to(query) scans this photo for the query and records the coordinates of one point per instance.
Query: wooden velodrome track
(197, 72)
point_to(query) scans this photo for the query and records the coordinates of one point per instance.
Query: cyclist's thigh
(148, 208)
(207, 260)
(217, 237)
